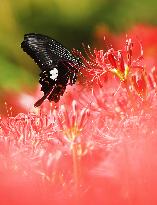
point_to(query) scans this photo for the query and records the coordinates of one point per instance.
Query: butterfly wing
(57, 65)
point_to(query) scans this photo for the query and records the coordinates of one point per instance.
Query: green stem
(76, 171)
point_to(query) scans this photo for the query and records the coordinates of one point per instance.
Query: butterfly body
(58, 65)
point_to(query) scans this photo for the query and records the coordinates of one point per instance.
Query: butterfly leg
(41, 100)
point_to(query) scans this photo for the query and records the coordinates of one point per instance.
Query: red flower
(96, 146)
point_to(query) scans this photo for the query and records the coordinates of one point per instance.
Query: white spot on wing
(54, 74)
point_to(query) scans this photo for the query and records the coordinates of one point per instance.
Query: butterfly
(59, 67)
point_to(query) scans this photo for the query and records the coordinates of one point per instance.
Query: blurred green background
(68, 21)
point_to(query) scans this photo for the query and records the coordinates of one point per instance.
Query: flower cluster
(96, 146)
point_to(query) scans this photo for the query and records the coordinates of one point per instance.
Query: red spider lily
(49, 146)
(122, 64)
(96, 146)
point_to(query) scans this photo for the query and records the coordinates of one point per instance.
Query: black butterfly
(57, 64)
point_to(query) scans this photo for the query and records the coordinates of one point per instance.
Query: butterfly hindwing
(57, 65)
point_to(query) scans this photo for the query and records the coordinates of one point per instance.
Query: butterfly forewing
(57, 65)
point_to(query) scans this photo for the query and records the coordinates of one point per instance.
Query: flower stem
(76, 170)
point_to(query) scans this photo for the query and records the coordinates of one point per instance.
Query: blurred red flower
(143, 33)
